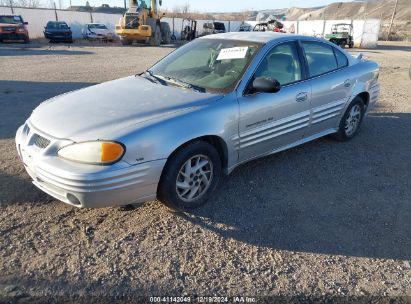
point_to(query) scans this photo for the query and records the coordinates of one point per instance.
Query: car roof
(260, 37)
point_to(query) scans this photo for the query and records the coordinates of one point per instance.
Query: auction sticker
(233, 53)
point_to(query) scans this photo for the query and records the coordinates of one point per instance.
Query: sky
(221, 5)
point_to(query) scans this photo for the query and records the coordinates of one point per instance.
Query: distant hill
(98, 9)
(379, 9)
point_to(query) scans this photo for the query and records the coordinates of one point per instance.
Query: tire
(155, 39)
(351, 45)
(345, 133)
(195, 188)
(125, 41)
(26, 40)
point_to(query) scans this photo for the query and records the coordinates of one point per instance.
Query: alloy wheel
(353, 120)
(194, 178)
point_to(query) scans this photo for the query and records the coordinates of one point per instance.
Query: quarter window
(341, 59)
(282, 63)
(320, 58)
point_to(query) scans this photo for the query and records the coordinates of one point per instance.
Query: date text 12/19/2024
(199, 299)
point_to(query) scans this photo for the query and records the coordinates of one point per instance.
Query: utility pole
(125, 5)
(11, 6)
(55, 11)
(392, 19)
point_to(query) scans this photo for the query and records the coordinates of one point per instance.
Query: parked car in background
(211, 105)
(269, 26)
(12, 27)
(213, 28)
(58, 31)
(245, 28)
(97, 31)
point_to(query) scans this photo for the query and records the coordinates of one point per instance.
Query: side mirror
(266, 85)
(160, 2)
(25, 23)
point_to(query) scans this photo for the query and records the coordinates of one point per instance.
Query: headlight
(21, 30)
(95, 152)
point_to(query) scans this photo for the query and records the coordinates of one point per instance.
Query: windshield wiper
(186, 85)
(166, 79)
(154, 78)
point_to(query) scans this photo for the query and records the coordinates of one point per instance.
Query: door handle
(301, 97)
(347, 83)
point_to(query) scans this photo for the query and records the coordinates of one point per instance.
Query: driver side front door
(270, 121)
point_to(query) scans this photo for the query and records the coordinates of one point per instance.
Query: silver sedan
(211, 105)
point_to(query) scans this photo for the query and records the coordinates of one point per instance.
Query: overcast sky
(220, 5)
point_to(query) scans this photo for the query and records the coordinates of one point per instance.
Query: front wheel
(125, 41)
(190, 176)
(351, 121)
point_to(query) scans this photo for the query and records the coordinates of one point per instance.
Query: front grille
(9, 29)
(40, 141)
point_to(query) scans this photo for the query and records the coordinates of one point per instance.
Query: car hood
(99, 111)
(100, 31)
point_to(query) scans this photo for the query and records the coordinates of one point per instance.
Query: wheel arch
(216, 141)
(365, 96)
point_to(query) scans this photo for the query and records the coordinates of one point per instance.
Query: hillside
(379, 9)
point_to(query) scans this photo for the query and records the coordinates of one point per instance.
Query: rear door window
(320, 58)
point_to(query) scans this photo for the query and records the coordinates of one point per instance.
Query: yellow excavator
(142, 23)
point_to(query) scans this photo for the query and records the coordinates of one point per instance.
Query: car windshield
(341, 28)
(97, 26)
(10, 19)
(57, 25)
(209, 65)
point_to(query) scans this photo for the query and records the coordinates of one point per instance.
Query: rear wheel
(190, 176)
(351, 45)
(351, 121)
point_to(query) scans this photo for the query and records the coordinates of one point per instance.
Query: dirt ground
(326, 221)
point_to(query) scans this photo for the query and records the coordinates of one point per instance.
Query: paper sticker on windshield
(233, 53)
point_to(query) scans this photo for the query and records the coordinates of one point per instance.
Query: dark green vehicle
(341, 34)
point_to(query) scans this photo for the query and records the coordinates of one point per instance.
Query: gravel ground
(326, 221)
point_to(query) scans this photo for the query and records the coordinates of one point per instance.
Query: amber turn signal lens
(110, 152)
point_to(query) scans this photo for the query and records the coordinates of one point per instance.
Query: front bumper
(13, 36)
(82, 185)
(99, 37)
(60, 37)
